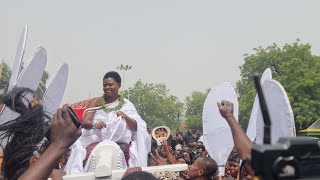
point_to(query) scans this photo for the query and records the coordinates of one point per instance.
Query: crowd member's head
(194, 134)
(177, 132)
(245, 174)
(180, 138)
(186, 149)
(178, 147)
(181, 156)
(135, 173)
(111, 85)
(24, 134)
(179, 141)
(202, 168)
(177, 152)
(200, 149)
(181, 159)
(193, 143)
(232, 169)
(199, 143)
(232, 166)
(195, 157)
(187, 156)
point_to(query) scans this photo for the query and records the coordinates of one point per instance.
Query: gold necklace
(107, 109)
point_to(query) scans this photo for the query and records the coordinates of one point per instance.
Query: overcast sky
(187, 44)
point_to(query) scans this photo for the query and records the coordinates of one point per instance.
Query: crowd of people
(38, 147)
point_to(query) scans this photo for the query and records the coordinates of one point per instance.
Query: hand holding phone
(74, 119)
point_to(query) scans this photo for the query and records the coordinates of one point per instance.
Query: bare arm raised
(170, 157)
(241, 141)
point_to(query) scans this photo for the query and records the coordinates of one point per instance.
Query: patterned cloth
(89, 150)
(166, 175)
(125, 149)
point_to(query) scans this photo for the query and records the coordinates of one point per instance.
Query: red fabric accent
(89, 150)
(79, 113)
(125, 149)
(79, 107)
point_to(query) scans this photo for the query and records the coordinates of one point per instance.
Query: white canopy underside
(217, 135)
(280, 112)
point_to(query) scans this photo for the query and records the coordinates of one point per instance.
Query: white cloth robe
(118, 131)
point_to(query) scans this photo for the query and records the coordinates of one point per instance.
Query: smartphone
(74, 119)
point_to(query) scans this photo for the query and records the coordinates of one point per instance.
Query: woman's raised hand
(99, 125)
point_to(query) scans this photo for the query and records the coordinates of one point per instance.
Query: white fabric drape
(118, 131)
(75, 161)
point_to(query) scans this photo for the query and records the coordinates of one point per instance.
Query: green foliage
(295, 68)
(42, 86)
(5, 77)
(155, 105)
(194, 108)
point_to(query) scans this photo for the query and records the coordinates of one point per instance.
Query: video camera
(291, 158)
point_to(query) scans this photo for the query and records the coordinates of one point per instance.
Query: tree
(5, 78)
(296, 68)
(155, 105)
(42, 85)
(194, 108)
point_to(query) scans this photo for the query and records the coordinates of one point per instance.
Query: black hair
(23, 133)
(192, 140)
(200, 142)
(234, 157)
(179, 141)
(195, 157)
(182, 157)
(114, 75)
(209, 166)
(190, 160)
(154, 145)
(201, 147)
(139, 175)
(189, 149)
